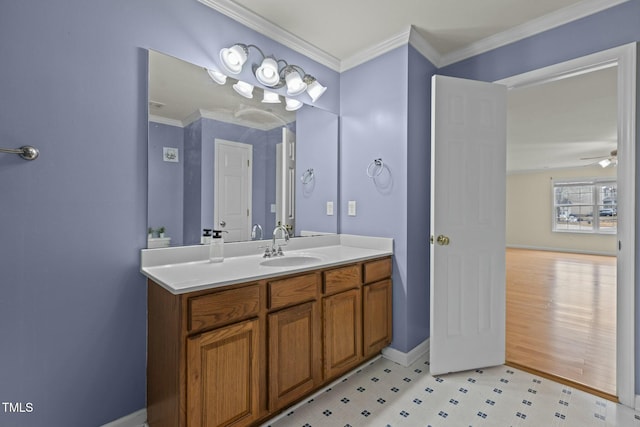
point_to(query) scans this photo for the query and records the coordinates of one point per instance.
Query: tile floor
(383, 393)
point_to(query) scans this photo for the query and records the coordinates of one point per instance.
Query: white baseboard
(136, 419)
(406, 359)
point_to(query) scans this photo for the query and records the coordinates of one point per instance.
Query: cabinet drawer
(223, 307)
(377, 270)
(341, 279)
(293, 290)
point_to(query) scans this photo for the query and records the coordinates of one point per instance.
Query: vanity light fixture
(217, 76)
(272, 72)
(292, 104)
(243, 88)
(269, 97)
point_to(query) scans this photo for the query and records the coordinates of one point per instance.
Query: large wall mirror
(219, 160)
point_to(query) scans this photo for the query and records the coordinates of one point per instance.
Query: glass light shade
(269, 97)
(295, 85)
(233, 58)
(292, 104)
(267, 72)
(217, 76)
(243, 88)
(315, 90)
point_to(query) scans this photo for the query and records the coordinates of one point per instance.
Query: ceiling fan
(610, 160)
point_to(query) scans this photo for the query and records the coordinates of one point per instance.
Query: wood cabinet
(342, 325)
(223, 372)
(294, 349)
(236, 355)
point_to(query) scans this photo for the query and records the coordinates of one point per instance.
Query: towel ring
(307, 176)
(373, 172)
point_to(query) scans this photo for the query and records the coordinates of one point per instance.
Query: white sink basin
(290, 261)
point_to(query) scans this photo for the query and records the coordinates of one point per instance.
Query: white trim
(572, 251)
(273, 31)
(417, 40)
(136, 419)
(625, 59)
(406, 359)
(376, 50)
(544, 23)
(637, 407)
(528, 29)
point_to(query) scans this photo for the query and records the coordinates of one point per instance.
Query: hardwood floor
(561, 317)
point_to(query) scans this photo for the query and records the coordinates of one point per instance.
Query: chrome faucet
(285, 234)
(256, 232)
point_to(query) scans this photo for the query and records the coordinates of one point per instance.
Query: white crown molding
(376, 50)
(528, 29)
(422, 45)
(273, 31)
(533, 27)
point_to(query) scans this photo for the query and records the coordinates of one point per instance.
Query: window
(586, 206)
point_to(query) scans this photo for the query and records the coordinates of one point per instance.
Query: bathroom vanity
(234, 343)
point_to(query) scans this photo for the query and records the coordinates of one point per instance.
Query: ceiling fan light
(243, 88)
(295, 85)
(267, 72)
(269, 97)
(315, 90)
(292, 104)
(604, 162)
(234, 57)
(217, 76)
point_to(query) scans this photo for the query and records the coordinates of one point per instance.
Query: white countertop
(187, 269)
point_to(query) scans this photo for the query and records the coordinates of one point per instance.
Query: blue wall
(373, 124)
(166, 201)
(610, 28)
(72, 300)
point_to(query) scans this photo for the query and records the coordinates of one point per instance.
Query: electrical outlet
(329, 208)
(351, 208)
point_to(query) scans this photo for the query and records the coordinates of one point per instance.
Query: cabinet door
(377, 318)
(342, 332)
(223, 376)
(294, 354)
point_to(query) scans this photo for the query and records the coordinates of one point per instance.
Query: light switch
(351, 208)
(329, 208)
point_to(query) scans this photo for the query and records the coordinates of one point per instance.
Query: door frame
(624, 57)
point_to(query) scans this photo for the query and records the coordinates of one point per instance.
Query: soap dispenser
(206, 237)
(216, 247)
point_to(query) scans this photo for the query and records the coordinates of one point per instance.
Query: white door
(468, 175)
(232, 189)
(286, 181)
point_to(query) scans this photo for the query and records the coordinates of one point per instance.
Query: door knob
(442, 240)
(222, 224)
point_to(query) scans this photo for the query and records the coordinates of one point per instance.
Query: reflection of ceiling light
(243, 88)
(269, 97)
(217, 76)
(268, 72)
(292, 104)
(604, 162)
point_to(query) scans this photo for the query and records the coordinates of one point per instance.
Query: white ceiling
(551, 125)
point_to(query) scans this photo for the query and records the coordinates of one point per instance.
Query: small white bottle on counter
(216, 247)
